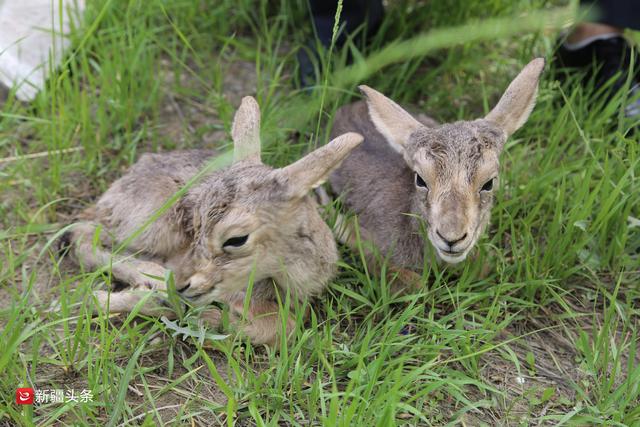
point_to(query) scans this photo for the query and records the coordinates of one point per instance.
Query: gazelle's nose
(451, 240)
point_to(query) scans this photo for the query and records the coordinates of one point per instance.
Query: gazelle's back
(134, 198)
(372, 183)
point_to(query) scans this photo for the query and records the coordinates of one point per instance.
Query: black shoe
(605, 60)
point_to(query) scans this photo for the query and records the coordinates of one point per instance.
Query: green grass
(548, 336)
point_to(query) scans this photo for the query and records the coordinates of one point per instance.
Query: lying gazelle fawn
(246, 221)
(409, 175)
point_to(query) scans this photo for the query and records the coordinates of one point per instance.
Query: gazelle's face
(250, 225)
(455, 175)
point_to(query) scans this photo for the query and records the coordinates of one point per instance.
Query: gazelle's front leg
(262, 323)
(403, 280)
(126, 301)
(262, 320)
(129, 270)
(141, 276)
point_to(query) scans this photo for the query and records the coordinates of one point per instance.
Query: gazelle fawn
(244, 222)
(410, 176)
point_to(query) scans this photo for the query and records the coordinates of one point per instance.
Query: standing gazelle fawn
(246, 222)
(407, 176)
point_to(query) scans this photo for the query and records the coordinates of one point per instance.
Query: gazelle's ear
(245, 131)
(313, 169)
(517, 102)
(394, 123)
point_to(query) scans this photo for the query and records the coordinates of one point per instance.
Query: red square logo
(24, 396)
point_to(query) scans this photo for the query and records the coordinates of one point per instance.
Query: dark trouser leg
(618, 13)
(600, 48)
(354, 14)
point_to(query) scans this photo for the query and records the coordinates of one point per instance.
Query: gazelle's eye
(420, 182)
(235, 242)
(488, 186)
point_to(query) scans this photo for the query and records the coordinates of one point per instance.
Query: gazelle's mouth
(194, 296)
(453, 253)
(451, 257)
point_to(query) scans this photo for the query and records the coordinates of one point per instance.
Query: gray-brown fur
(455, 161)
(288, 243)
